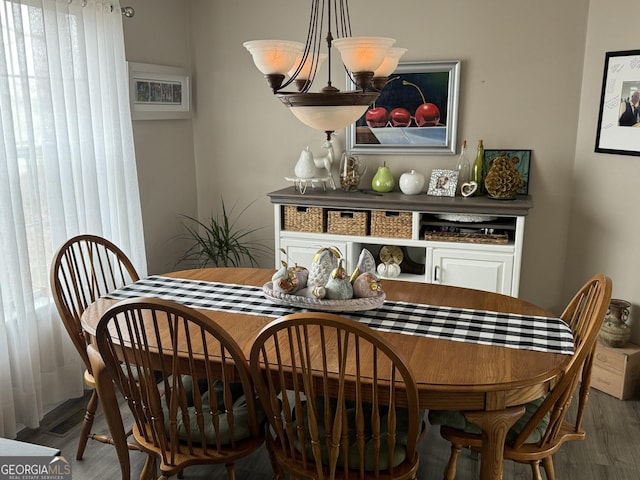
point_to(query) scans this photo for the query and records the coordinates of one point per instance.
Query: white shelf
(465, 262)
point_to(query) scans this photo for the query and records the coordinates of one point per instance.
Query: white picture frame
(443, 183)
(158, 92)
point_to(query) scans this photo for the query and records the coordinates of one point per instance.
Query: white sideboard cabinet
(473, 242)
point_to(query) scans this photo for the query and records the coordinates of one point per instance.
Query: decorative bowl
(465, 217)
(312, 303)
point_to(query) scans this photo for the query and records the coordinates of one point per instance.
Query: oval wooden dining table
(489, 383)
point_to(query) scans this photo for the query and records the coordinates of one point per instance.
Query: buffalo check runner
(544, 334)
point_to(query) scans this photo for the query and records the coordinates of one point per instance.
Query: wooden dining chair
(204, 411)
(340, 401)
(546, 424)
(84, 269)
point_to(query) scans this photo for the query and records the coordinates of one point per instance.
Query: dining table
(478, 352)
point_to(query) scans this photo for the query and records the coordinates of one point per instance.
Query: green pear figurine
(383, 180)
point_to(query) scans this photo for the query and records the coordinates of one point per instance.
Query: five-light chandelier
(368, 60)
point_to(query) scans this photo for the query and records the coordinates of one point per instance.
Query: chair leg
(278, 473)
(231, 472)
(535, 470)
(450, 470)
(149, 471)
(547, 463)
(87, 423)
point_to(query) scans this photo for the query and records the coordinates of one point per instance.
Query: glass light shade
(328, 111)
(390, 62)
(330, 118)
(363, 54)
(305, 72)
(274, 56)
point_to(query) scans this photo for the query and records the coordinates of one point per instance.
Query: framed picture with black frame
(416, 112)
(618, 128)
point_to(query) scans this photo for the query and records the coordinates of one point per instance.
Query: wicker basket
(304, 219)
(499, 238)
(346, 222)
(391, 224)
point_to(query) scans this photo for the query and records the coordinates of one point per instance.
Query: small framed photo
(157, 92)
(443, 183)
(619, 117)
(521, 159)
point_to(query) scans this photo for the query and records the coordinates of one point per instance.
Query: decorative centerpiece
(503, 180)
(614, 331)
(326, 285)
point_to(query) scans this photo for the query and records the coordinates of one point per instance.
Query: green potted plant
(219, 242)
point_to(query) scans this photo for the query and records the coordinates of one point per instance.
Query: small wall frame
(158, 92)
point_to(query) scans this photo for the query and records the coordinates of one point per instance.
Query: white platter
(465, 217)
(351, 305)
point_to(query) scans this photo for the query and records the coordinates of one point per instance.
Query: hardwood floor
(610, 451)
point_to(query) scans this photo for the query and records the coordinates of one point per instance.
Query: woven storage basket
(501, 238)
(391, 224)
(346, 222)
(304, 219)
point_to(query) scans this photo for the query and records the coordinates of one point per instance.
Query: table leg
(494, 424)
(109, 403)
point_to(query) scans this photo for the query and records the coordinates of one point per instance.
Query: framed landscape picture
(158, 92)
(416, 112)
(521, 159)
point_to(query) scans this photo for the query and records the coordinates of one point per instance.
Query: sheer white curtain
(67, 166)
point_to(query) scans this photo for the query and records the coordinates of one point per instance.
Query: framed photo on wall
(521, 159)
(618, 128)
(416, 112)
(157, 92)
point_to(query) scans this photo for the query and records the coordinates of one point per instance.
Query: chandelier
(368, 61)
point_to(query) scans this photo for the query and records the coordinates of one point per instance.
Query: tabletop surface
(439, 365)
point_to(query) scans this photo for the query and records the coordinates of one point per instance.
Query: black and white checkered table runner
(545, 334)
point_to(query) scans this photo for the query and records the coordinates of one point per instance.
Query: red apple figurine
(427, 115)
(400, 117)
(377, 117)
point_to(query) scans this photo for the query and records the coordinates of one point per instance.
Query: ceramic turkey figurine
(324, 262)
(339, 286)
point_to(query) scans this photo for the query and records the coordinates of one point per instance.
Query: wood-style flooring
(610, 452)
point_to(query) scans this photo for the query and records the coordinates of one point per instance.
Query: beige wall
(604, 219)
(158, 34)
(521, 82)
(520, 88)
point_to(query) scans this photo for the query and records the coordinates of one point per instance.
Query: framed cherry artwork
(416, 112)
